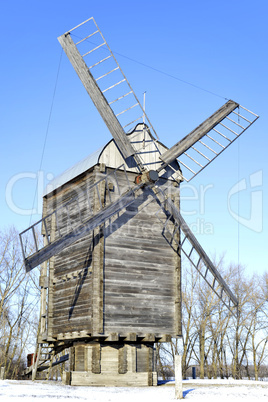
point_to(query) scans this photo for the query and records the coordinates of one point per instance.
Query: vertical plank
(178, 378)
(88, 358)
(72, 358)
(51, 285)
(80, 358)
(131, 358)
(150, 361)
(2, 373)
(96, 359)
(43, 276)
(122, 360)
(36, 362)
(98, 262)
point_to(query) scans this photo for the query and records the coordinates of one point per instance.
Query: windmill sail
(194, 252)
(106, 84)
(200, 147)
(96, 95)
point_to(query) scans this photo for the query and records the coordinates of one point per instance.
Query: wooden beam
(166, 337)
(177, 275)
(174, 152)
(96, 95)
(178, 378)
(150, 363)
(98, 262)
(84, 334)
(113, 337)
(43, 281)
(131, 337)
(51, 286)
(149, 338)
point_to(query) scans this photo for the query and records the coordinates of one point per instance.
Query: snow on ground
(193, 390)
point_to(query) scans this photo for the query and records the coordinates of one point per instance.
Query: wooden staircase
(45, 357)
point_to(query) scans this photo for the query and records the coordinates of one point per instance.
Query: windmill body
(114, 292)
(113, 233)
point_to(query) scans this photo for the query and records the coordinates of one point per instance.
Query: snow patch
(193, 390)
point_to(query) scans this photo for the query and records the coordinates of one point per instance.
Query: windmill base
(118, 365)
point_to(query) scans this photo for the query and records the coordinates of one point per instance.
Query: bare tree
(219, 343)
(190, 334)
(259, 325)
(18, 303)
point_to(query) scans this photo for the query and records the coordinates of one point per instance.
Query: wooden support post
(43, 281)
(2, 373)
(51, 285)
(36, 362)
(178, 305)
(178, 378)
(97, 262)
(150, 361)
(43, 298)
(72, 358)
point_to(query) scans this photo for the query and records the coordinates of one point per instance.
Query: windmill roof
(74, 171)
(110, 155)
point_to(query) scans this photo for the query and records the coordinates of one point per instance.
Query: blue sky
(216, 50)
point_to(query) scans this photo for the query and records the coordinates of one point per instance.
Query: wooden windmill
(113, 233)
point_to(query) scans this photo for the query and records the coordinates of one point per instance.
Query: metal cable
(47, 130)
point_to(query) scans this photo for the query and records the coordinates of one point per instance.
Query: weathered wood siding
(139, 272)
(72, 282)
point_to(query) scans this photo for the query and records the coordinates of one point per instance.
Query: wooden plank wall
(72, 283)
(139, 272)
